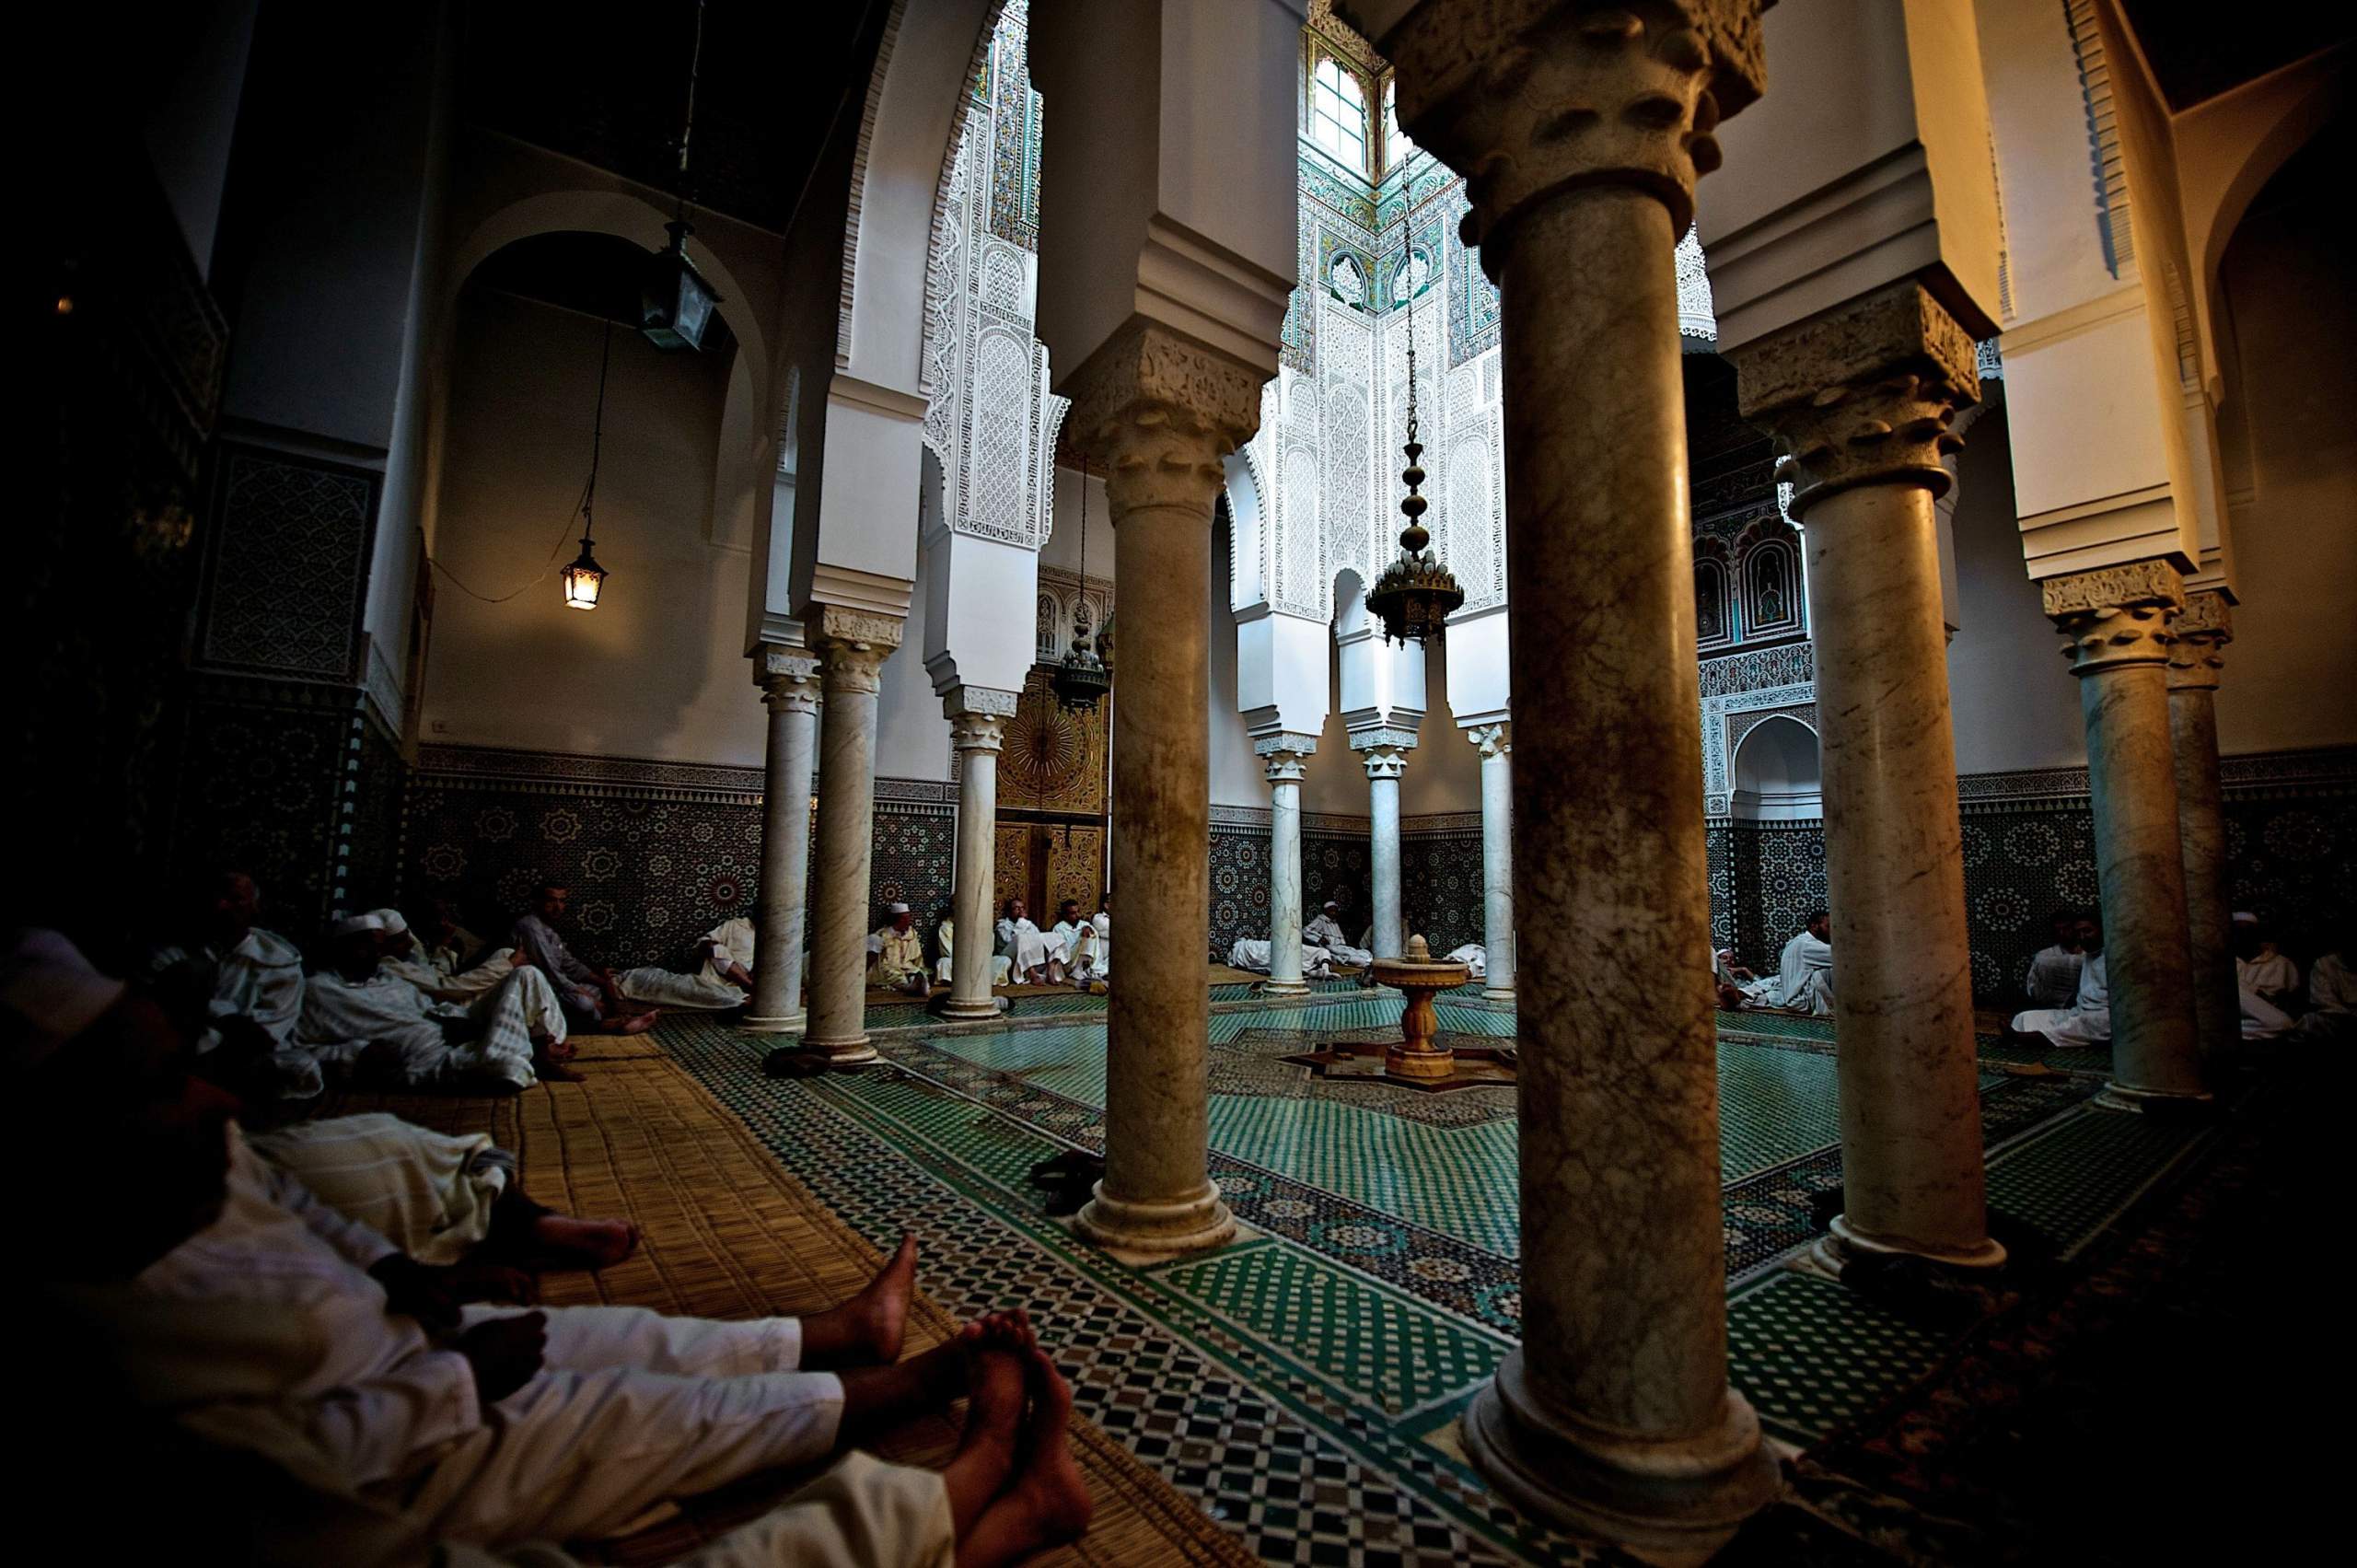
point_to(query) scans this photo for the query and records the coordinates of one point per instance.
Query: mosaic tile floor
(1304, 1383)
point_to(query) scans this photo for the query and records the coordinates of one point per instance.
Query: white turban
(390, 922)
(353, 925)
(900, 908)
(49, 993)
(2243, 917)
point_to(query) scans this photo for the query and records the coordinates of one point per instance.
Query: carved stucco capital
(971, 731)
(2115, 616)
(2202, 631)
(788, 679)
(1157, 413)
(1529, 98)
(1866, 393)
(853, 646)
(1284, 767)
(1492, 739)
(1384, 762)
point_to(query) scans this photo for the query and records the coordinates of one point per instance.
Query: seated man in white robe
(2332, 998)
(945, 938)
(237, 1304)
(895, 954)
(237, 988)
(1036, 960)
(1735, 988)
(1079, 939)
(357, 1015)
(1804, 971)
(1103, 921)
(2087, 1023)
(2053, 977)
(592, 997)
(1326, 931)
(1252, 953)
(722, 980)
(1474, 956)
(435, 972)
(2261, 968)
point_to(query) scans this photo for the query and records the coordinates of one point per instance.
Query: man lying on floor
(443, 971)
(721, 980)
(233, 1301)
(358, 1016)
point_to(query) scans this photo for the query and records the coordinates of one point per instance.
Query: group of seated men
(1077, 950)
(1803, 982)
(2070, 994)
(429, 1005)
(1325, 949)
(320, 1337)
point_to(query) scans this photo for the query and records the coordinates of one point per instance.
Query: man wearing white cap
(1326, 931)
(895, 954)
(436, 974)
(356, 1013)
(722, 980)
(234, 985)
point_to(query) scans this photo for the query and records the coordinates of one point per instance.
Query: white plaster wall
(911, 732)
(1063, 548)
(1444, 771)
(657, 669)
(2291, 670)
(1236, 776)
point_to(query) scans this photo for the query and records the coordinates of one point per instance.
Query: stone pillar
(1585, 130)
(1860, 397)
(977, 726)
(2117, 619)
(2196, 660)
(851, 647)
(789, 682)
(1282, 757)
(1495, 743)
(1157, 413)
(1386, 762)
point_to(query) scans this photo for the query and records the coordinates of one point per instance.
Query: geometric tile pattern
(1811, 1355)
(2073, 1180)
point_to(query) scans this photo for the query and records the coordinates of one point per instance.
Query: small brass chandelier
(1416, 594)
(584, 579)
(1081, 680)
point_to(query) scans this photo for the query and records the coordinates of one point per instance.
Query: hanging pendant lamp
(675, 303)
(584, 580)
(1081, 680)
(1416, 594)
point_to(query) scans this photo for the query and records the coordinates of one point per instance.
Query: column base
(1285, 988)
(1668, 1502)
(856, 1052)
(968, 1011)
(2159, 1102)
(1163, 1229)
(1843, 1242)
(1497, 993)
(785, 1024)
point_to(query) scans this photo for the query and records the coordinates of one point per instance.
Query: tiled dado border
(2257, 775)
(1338, 824)
(573, 773)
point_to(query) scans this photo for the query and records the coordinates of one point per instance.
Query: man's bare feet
(871, 1325)
(987, 1449)
(565, 1242)
(635, 1024)
(1049, 1502)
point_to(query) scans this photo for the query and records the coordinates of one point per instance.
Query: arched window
(1338, 113)
(1767, 563)
(1397, 149)
(1713, 604)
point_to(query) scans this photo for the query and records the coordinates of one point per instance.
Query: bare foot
(636, 1023)
(987, 1449)
(583, 1244)
(999, 1331)
(550, 1070)
(872, 1325)
(1049, 1502)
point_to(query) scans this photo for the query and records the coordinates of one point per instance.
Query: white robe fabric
(1027, 947)
(2086, 1022)
(387, 1020)
(1079, 939)
(260, 978)
(1805, 976)
(1474, 956)
(1104, 924)
(428, 1193)
(2271, 975)
(436, 974)
(1326, 933)
(945, 938)
(708, 990)
(1255, 953)
(2052, 980)
(2332, 1001)
(264, 1332)
(2261, 1019)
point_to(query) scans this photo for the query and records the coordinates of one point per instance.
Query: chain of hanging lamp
(1081, 680)
(1416, 594)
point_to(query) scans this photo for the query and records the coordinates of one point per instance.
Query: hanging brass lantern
(1081, 680)
(1416, 594)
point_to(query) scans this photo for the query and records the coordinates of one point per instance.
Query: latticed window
(1338, 113)
(1397, 149)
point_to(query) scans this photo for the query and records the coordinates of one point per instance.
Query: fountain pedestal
(1419, 976)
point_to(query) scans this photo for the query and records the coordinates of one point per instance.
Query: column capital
(2202, 629)
(853, 646)
(1383, 761)
(989, 701)
(1157, 413)
(1286, 741)
(1377, 736)
(1284, 767)
(1864, 393)
(1492, 739)
(2115, 615)
(788, 677)
(970, 732)
(1529, 99)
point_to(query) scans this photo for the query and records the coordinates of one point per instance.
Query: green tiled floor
(1460, 1181)
(1773, 1106)
(1810, 1354)
(1342, 1326)
(2069, 1180)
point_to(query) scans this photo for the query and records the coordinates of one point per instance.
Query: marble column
(2196, 660)
(1585, 130)
(977, 726)
(851, 647)
(1495, 743)
(789, 682)
(1282, 757)
(1156, 413)
(1386, 762)
(2117, 619)
(1861, 399)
